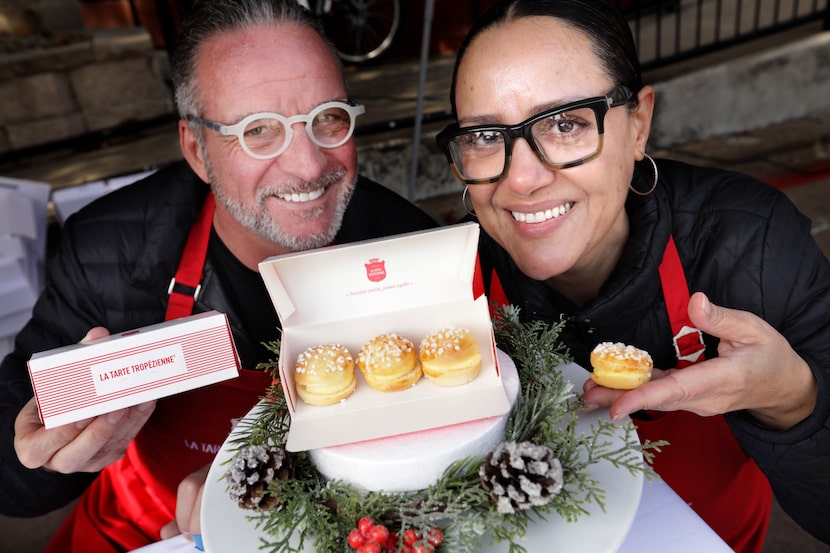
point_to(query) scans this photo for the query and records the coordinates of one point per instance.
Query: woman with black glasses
(713, 273)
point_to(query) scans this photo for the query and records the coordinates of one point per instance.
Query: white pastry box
(410, 284)
(121, 370)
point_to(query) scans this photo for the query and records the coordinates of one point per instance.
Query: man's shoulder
(158, 209)
(172, 185)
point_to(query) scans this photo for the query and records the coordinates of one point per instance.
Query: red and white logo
(375, 269)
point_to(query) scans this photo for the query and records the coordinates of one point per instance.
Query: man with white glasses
(267, 124)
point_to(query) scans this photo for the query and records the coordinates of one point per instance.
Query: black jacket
(745, 245)
(115, 262)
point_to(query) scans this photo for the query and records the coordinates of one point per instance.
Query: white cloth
(664, 522)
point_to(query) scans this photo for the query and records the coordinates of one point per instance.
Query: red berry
(379, 533)
(392, 542)
(422, 547)
(364, 525)
(370, 547)
(410, 536)
(435, 536)
(356, 539)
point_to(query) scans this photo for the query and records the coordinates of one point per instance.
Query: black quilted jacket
(745, 245)
(115, 262)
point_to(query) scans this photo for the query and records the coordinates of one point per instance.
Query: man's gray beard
(258, 219)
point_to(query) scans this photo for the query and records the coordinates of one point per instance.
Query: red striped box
(76, 382)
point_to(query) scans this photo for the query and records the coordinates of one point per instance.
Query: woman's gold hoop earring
(468, 209)
(653, 184)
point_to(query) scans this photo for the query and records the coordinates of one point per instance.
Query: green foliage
(545, 413)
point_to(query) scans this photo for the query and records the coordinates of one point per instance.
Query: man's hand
(85, 446)
(756, 370)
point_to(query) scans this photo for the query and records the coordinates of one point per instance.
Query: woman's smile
(542, 216)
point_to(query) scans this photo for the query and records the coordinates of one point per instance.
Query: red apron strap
(688, 340)
(478, 280)
(727, 490)
(495, 294)
(185, 286)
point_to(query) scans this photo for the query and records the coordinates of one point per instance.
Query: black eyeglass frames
(561, 137)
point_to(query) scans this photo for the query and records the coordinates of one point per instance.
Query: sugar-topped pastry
(450, 356)
(389, 363)
(325, 374)
(619, 366)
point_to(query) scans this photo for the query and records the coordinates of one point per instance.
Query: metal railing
(670, 31)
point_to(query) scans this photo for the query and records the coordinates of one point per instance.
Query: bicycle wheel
(362, 30)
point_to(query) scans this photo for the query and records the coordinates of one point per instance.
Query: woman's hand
(85, 446)
(188, 506)
(756, 371)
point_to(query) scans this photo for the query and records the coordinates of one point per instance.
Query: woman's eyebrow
(488, 119)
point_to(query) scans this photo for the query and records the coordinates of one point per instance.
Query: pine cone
(251, 471)
(521, 476)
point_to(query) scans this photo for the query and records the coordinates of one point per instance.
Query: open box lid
(373, 276)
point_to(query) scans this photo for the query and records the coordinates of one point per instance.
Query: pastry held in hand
(450, 356)
(619, 366)
(324, 374)
(389, 363)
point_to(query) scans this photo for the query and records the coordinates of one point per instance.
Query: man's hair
(210, 17)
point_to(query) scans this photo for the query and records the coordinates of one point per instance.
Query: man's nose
(303, 158)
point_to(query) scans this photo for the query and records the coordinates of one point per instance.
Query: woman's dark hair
(603, 23)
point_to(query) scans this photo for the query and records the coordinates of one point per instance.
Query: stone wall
(81, 83)
(772, 87)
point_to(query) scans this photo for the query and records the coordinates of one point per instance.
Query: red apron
(704, 464)
(132, 499)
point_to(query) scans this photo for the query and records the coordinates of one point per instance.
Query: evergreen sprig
(312, 509)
